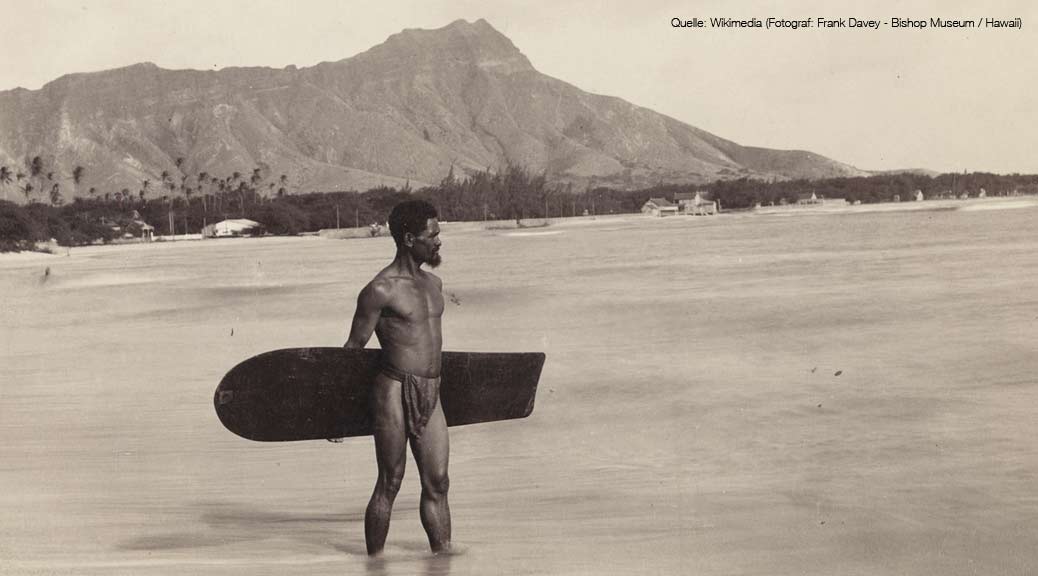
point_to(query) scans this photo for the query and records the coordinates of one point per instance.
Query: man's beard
(434, 260)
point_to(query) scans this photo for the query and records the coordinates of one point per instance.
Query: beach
(809, 393)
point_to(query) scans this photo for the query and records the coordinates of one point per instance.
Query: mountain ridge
(402, 112)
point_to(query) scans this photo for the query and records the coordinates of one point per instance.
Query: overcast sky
(943, 99)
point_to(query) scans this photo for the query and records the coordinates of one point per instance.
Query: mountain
(404, 111)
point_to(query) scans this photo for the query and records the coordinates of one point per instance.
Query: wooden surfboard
(318, 393)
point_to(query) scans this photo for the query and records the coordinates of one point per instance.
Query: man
(403, 305)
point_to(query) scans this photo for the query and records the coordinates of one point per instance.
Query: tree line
(41, 184)
(188, 205)
(747, 193)
(179, 203)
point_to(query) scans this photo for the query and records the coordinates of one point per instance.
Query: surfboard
(318, 393)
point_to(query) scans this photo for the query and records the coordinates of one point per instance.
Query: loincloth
(420, 396)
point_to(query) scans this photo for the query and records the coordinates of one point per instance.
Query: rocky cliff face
(405, 110)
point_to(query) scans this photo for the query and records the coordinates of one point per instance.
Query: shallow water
(805, 394)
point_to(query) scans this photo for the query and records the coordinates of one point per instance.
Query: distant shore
(969, 204)
(540, 224)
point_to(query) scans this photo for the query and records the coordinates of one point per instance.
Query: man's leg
(390, 454)
(431, 451)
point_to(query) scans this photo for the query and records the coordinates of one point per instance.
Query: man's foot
(450, 550)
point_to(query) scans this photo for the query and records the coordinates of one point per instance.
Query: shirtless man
(403, 305)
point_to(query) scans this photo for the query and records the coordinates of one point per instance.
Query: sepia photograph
(566, 288)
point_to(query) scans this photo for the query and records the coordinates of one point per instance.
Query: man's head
(414, 228)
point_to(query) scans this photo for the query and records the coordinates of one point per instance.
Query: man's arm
(370, 302)
(372, 299)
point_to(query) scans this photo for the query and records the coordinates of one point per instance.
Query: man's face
(426, 246)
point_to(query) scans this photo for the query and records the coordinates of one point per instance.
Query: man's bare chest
(415, 301)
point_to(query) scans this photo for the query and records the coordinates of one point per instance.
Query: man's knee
(391, 483)
(436, 484)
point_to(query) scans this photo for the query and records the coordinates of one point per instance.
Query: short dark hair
(410, 216)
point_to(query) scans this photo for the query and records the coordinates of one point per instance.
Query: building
(231, 228)
(813, 199)
(136, 229)
(660, 207)
(695, 204)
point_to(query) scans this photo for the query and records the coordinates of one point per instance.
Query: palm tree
(169, 208)
(5, 179)
(144, 187)
(219, 186)
(256, 180)
(241, 197)
(77, 177)
(165, 180)
(203, 179)
(188, 192)
(36, 168)
(171, 201)
(55, 195)
(27, 189)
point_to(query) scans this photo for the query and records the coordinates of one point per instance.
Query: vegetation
(183, 203)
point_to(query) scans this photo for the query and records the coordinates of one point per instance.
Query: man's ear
(408, 239)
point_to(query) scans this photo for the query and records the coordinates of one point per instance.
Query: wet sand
(807, 394)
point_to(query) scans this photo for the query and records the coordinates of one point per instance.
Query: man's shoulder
(381, 286)
(434, 279)
(388, 280)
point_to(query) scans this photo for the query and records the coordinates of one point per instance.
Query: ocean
(740, 394)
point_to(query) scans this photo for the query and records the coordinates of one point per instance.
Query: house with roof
(232, 228)
(812, 199)
(660, 207)
(147, 231)
(694, 204)
(136, 229)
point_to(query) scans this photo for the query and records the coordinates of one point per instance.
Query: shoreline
(542, 224)
(968, 204)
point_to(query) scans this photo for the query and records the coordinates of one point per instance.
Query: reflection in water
(432, 565)
(230, 523)
(439, 564)
(376, 566)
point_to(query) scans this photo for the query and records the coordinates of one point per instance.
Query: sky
(945, 99)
